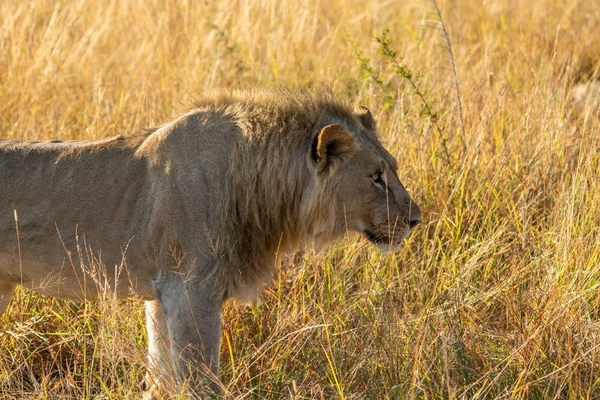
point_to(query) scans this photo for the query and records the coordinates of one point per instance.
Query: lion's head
(352, 166)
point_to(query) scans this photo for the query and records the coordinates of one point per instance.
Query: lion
(194, 212)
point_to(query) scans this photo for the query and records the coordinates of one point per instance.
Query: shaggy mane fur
(270, 200)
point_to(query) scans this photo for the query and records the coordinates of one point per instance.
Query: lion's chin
(388, 248)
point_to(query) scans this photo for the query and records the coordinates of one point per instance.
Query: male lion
(193, 212)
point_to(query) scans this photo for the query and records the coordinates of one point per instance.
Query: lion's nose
(414, 222)
(414, 215)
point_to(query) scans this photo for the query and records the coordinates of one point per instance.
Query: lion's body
(188, 214)
(71, 200)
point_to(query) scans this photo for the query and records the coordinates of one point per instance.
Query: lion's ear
(366, 118)
(333, 143)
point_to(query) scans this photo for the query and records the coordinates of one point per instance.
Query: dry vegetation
(496, 295)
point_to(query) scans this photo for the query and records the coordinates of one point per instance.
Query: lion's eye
(377, 178)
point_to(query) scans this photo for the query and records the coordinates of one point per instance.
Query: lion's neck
(268, 208)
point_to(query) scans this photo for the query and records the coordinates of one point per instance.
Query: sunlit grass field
(495, 295)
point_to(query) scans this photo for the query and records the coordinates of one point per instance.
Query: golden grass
(496, 293)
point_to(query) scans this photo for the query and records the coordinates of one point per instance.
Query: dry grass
(495, 296)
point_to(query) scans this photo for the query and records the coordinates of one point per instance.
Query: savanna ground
(496, 294)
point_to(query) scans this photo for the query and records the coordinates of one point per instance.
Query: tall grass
(496, 295)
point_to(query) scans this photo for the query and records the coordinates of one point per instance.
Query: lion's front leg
(193, 316)
(160, 368)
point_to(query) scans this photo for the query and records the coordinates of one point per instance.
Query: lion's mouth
(381, 239)
(382, 242)
(376, 238)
